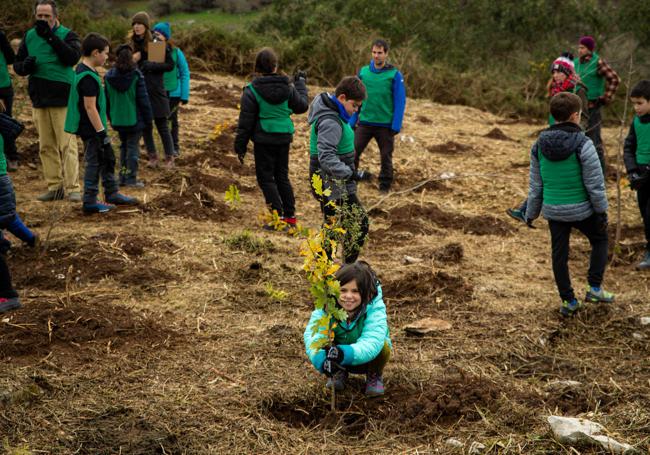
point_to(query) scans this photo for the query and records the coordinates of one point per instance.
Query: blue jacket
(367, 347)
(399, 100)
(183, 71)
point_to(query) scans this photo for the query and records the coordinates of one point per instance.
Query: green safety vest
(123, 107)
(343, 336)
(274, 118)
(345, 145)
(378, 107)
(73, 115)
(562, 180)
(589, 76)
(170, 78)
(5, 79)
(3, 159)
(642, 131)
(48, 65)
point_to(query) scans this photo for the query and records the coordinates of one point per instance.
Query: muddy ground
(156, 329)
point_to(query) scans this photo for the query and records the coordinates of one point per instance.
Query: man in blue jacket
(382, 113)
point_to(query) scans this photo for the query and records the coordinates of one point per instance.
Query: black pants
(272, 171)
(6, 288)
(100, 162)
(560, 233)
(643, 198)
(386, 143)
(593, 132)
(7, 96)
(162, 125)
(351, 211)
(173, 121)
(129, 156)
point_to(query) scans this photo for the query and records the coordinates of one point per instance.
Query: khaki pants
(58, 149)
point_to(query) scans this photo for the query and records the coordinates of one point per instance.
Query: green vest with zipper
(345, 145)
(642, 132)
(5, 79)
(3, 159)
(378, 106)
(562, 180)
(170, 78)
(123, 107)
(73, 115)
(48, 64)
(588, 72)
(274, 118)
(343, 336)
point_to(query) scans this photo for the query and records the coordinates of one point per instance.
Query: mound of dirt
(450, 253)
(72, 263)
(217, 96)
(424, 119)
(197, 178)
(417, 286)
(39, 325)
(195, 202)
(450, 148)
(414, 218)
(496, 133)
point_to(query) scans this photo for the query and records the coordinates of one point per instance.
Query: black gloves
(335, 354)
(638, 178)
(332, 362)
(240, 154)
(300, 74)
(43, 29)
(184, 102)
(29, 64)
(361, 175)
(601, 221)
(102, 137)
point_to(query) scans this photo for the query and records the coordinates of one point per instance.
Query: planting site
(175, 327)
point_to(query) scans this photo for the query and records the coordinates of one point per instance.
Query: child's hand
(330, 368)
(137, 56)
(335, 354)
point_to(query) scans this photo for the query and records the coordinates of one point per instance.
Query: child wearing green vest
(128, 109)
(567, 186)
(86, 118)
(636, 154)
(267, 104)
(177, 81)
(362, 342)
(331, 150)
(7, 57)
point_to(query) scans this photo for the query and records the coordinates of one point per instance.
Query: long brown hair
(365, 277)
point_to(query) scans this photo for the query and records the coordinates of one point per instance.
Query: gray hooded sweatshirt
(336, 170)
(558, 143)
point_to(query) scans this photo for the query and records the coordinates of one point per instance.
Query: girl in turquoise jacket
(362, 343)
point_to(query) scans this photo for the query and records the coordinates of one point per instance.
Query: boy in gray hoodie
(567, 186)
(331, 150)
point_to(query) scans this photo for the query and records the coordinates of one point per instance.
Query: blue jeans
(100, 162)
(129, 156)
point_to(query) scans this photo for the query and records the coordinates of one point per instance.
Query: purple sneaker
(374, 385)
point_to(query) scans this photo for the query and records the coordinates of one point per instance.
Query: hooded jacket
(558, 143)
(275, 89)
(153, 77)
(181, 70)
(374, 335)
(336, 170)
(121, 82)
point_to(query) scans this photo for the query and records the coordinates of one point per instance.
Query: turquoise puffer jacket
(374, 335)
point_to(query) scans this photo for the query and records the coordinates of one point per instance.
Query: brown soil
(496, 133)
(424, 119)
(420, 285)
(195, 177)
(217, 96)
(451, 253)
(195, 202)
(450, 148)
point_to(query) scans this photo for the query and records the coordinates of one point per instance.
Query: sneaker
(517, 214)
(139, 184)
(374, 385)
(153, 163)
(645, 264)
(385, 189)
(598, 296)
(97, 207)
(291, 221)
(363, 176)
(51, 195)
(568, 309)
(121, 199)
(169, 162)
(9, 304)
(12, 166)
(339, 379)
(75, 196)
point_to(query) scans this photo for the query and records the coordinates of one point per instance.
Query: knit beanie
(589, 42)
(141, 18)
(164, 29)
(564, 65)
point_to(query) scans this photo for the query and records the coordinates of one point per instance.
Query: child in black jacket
(266, 106)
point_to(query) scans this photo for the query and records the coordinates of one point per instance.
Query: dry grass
(165, 339)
